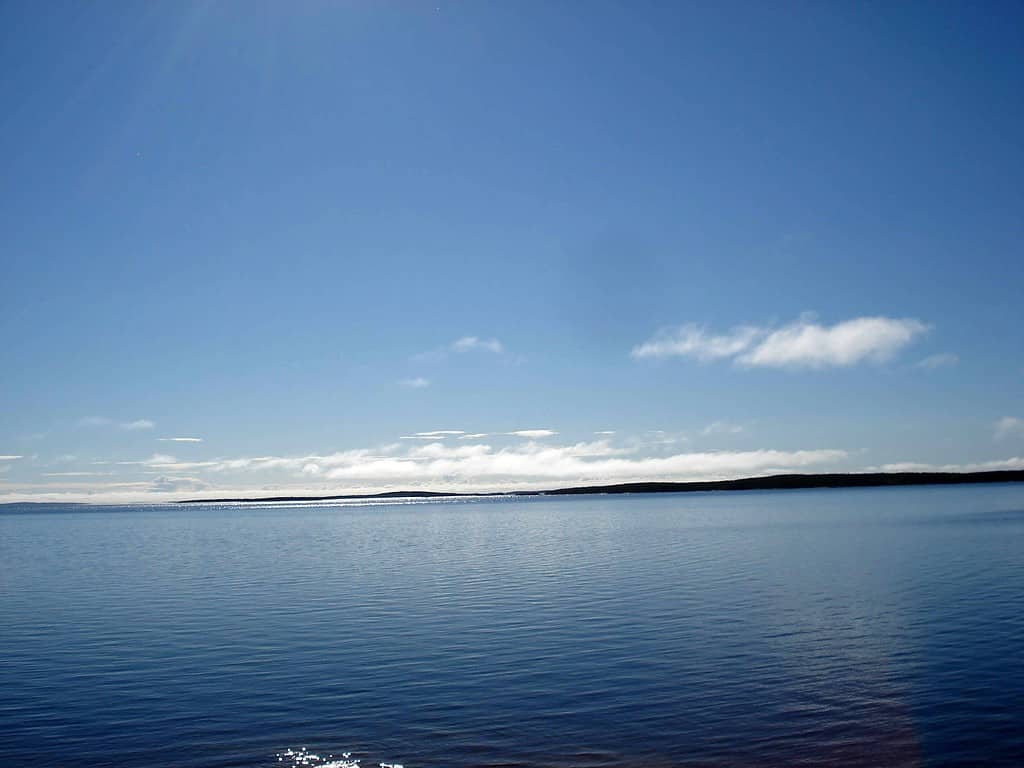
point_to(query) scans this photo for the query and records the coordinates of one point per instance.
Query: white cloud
(605, 432)
(440, 450)
(469, 343)
(417, 383)
(533, 434)
(137, 424)
(438, 465)
(691, 340)
(180, 439)
(905, 466)
(943, 360)
(721, 428)
(442, 466)
(1016, 462)
(581, 463)
(473, 436)
(459, 346)
(1009, 426)
(804, 343)
(310, 464)
(10, 457)
(441, 433)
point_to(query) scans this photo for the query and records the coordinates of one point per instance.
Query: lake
(855, 627)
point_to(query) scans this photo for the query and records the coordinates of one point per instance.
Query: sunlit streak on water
(302, 757)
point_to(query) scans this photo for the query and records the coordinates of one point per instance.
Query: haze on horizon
(267, 248)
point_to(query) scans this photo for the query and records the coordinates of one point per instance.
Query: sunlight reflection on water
(302, 757)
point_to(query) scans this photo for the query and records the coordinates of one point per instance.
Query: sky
(326, 247)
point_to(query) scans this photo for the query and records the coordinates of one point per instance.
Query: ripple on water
(841, 628)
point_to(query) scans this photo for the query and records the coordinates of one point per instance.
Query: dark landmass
(385, 495)
(770, 483)
(784, 482)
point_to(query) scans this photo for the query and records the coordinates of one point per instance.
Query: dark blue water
(854, 627)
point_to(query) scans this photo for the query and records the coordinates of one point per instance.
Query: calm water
(860, 627)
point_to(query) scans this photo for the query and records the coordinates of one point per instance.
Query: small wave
(303, 758)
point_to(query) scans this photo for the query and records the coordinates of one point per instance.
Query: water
(835, 627)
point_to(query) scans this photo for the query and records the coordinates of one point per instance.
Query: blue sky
(656, 240)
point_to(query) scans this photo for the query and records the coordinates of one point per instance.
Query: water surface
(840, 627)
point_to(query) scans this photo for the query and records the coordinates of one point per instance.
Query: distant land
(769, 483)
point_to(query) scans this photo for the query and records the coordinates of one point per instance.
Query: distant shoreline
(769, 483)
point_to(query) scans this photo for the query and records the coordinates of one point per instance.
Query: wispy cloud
(103, 421)
(692, 340)
(10, 457)
(180, 439)
(801, 344)
(137, 424)
(77, 474)
(156, 457)
(658, 438)
(607, 432)
(416, 383)
(165, 463)
(943, 360)
(470, 343)
(473, 436)
(437, 434)
(533, 434)
(1009, 426)
(1016, 462)
(721, 428)
(175, 484)
(460, 346)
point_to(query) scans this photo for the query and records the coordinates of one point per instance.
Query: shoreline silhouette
(766, 483)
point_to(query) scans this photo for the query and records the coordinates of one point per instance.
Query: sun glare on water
(299, 758)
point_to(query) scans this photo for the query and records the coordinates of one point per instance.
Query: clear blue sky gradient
(251, 222)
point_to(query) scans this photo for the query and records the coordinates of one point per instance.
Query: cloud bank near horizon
(436, 461)
(531, 462)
